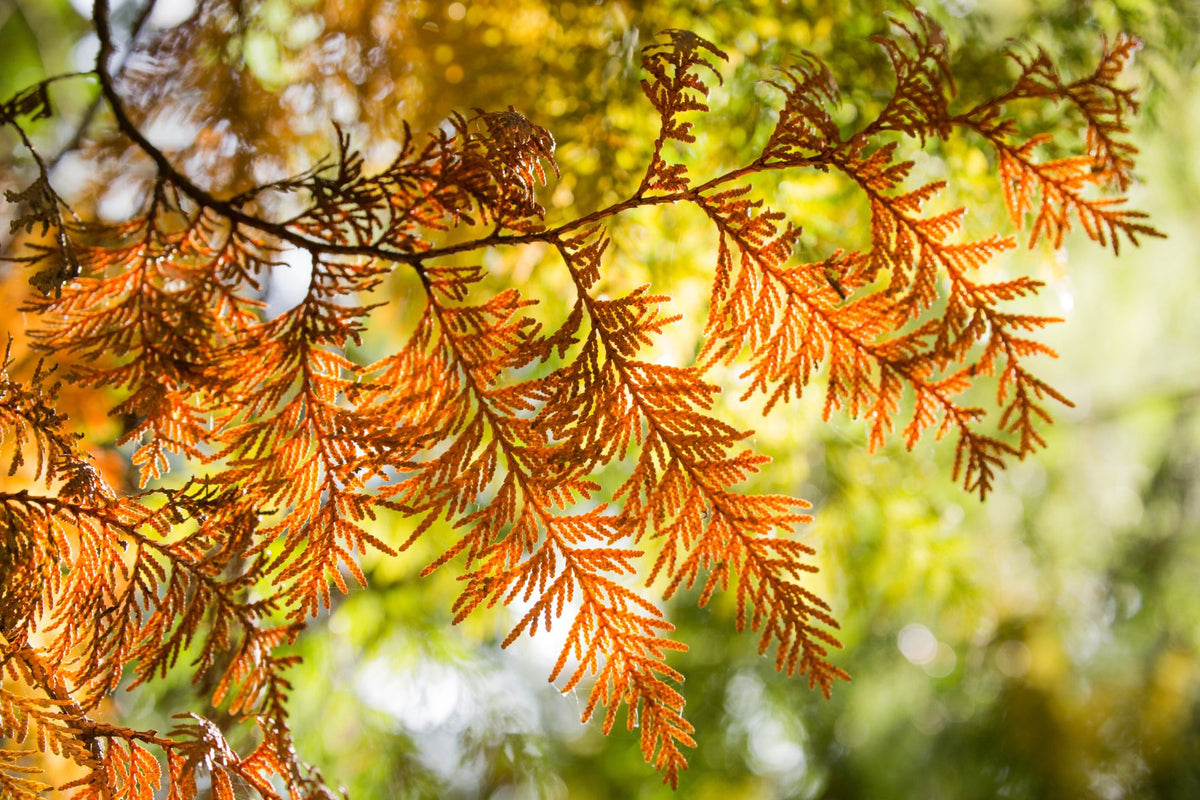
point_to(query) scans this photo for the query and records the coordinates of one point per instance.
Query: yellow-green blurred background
(1045, 643)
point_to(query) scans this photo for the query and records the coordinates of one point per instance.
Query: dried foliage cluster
(483, 418)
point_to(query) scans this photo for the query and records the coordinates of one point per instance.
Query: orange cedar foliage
(483, 417)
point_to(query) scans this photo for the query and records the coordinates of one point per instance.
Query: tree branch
(100, 15)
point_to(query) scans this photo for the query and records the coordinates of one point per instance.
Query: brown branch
(100, 15)
(52, 684)
(94, 107)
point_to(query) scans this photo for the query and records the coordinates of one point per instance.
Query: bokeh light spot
(917, 643)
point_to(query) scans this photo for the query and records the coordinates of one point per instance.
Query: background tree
(252, 101)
